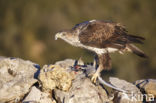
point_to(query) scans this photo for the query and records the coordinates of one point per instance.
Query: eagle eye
(63, 34)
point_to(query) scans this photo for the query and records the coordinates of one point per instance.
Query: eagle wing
(103, 34)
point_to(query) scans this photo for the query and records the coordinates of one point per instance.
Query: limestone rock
(16, 77)
(66, 64)
(70, 82)
(124, 85)
(54, 76)
(2, 57)
(82, 91)
(131, 96)
(148, 85)
(65, 82)
(36, 96)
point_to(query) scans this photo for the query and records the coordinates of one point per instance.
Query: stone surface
(148, 85)
(124, 85)
(2, 57)
(82, 91)
(66, 64)
(54, 76)
(66, 81)
(131, 96)
(16, 77)
(36, 96)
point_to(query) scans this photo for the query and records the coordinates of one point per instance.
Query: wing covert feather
(100, 34)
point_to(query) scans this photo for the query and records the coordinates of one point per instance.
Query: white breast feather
(97, 50)
(102, 51)
(94, 49)
(110, 50)
(92, 20)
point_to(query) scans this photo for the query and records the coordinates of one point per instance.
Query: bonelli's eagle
(102, 37)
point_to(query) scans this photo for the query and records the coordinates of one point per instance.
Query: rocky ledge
(66, 81)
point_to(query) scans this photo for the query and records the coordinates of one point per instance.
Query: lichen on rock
(54, 76)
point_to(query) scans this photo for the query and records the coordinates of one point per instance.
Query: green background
(27, 29)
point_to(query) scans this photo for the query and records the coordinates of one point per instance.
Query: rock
(66, 64)
(54, 76)
(70, 82)
(36, 96)
(82, 91)
(16, 77)
(124, 85)
(131, 96)
(148, 85)
(65, 82)
(2, 57)
(61, 74)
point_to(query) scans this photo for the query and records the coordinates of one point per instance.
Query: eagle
(102, 37)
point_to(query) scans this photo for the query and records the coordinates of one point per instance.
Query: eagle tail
(136, 50)
(135, 39)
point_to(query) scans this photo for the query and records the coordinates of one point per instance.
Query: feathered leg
(104, 62)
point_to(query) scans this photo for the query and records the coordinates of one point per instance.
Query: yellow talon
(94, 77)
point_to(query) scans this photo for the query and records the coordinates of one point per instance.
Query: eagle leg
(95, 62)
(104, 62)
(96, 74)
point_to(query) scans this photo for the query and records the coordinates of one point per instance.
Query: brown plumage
(107, 34)
(105, 60)
(102, 37)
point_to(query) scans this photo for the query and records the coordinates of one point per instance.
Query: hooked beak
(58, 35)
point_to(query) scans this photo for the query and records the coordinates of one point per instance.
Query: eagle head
(60, 35)
(67, 36)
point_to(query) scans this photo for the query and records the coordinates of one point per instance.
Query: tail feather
(139, 37)
(136, 50)
(135, 39)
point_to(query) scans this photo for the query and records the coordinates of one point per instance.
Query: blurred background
(27, 29)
